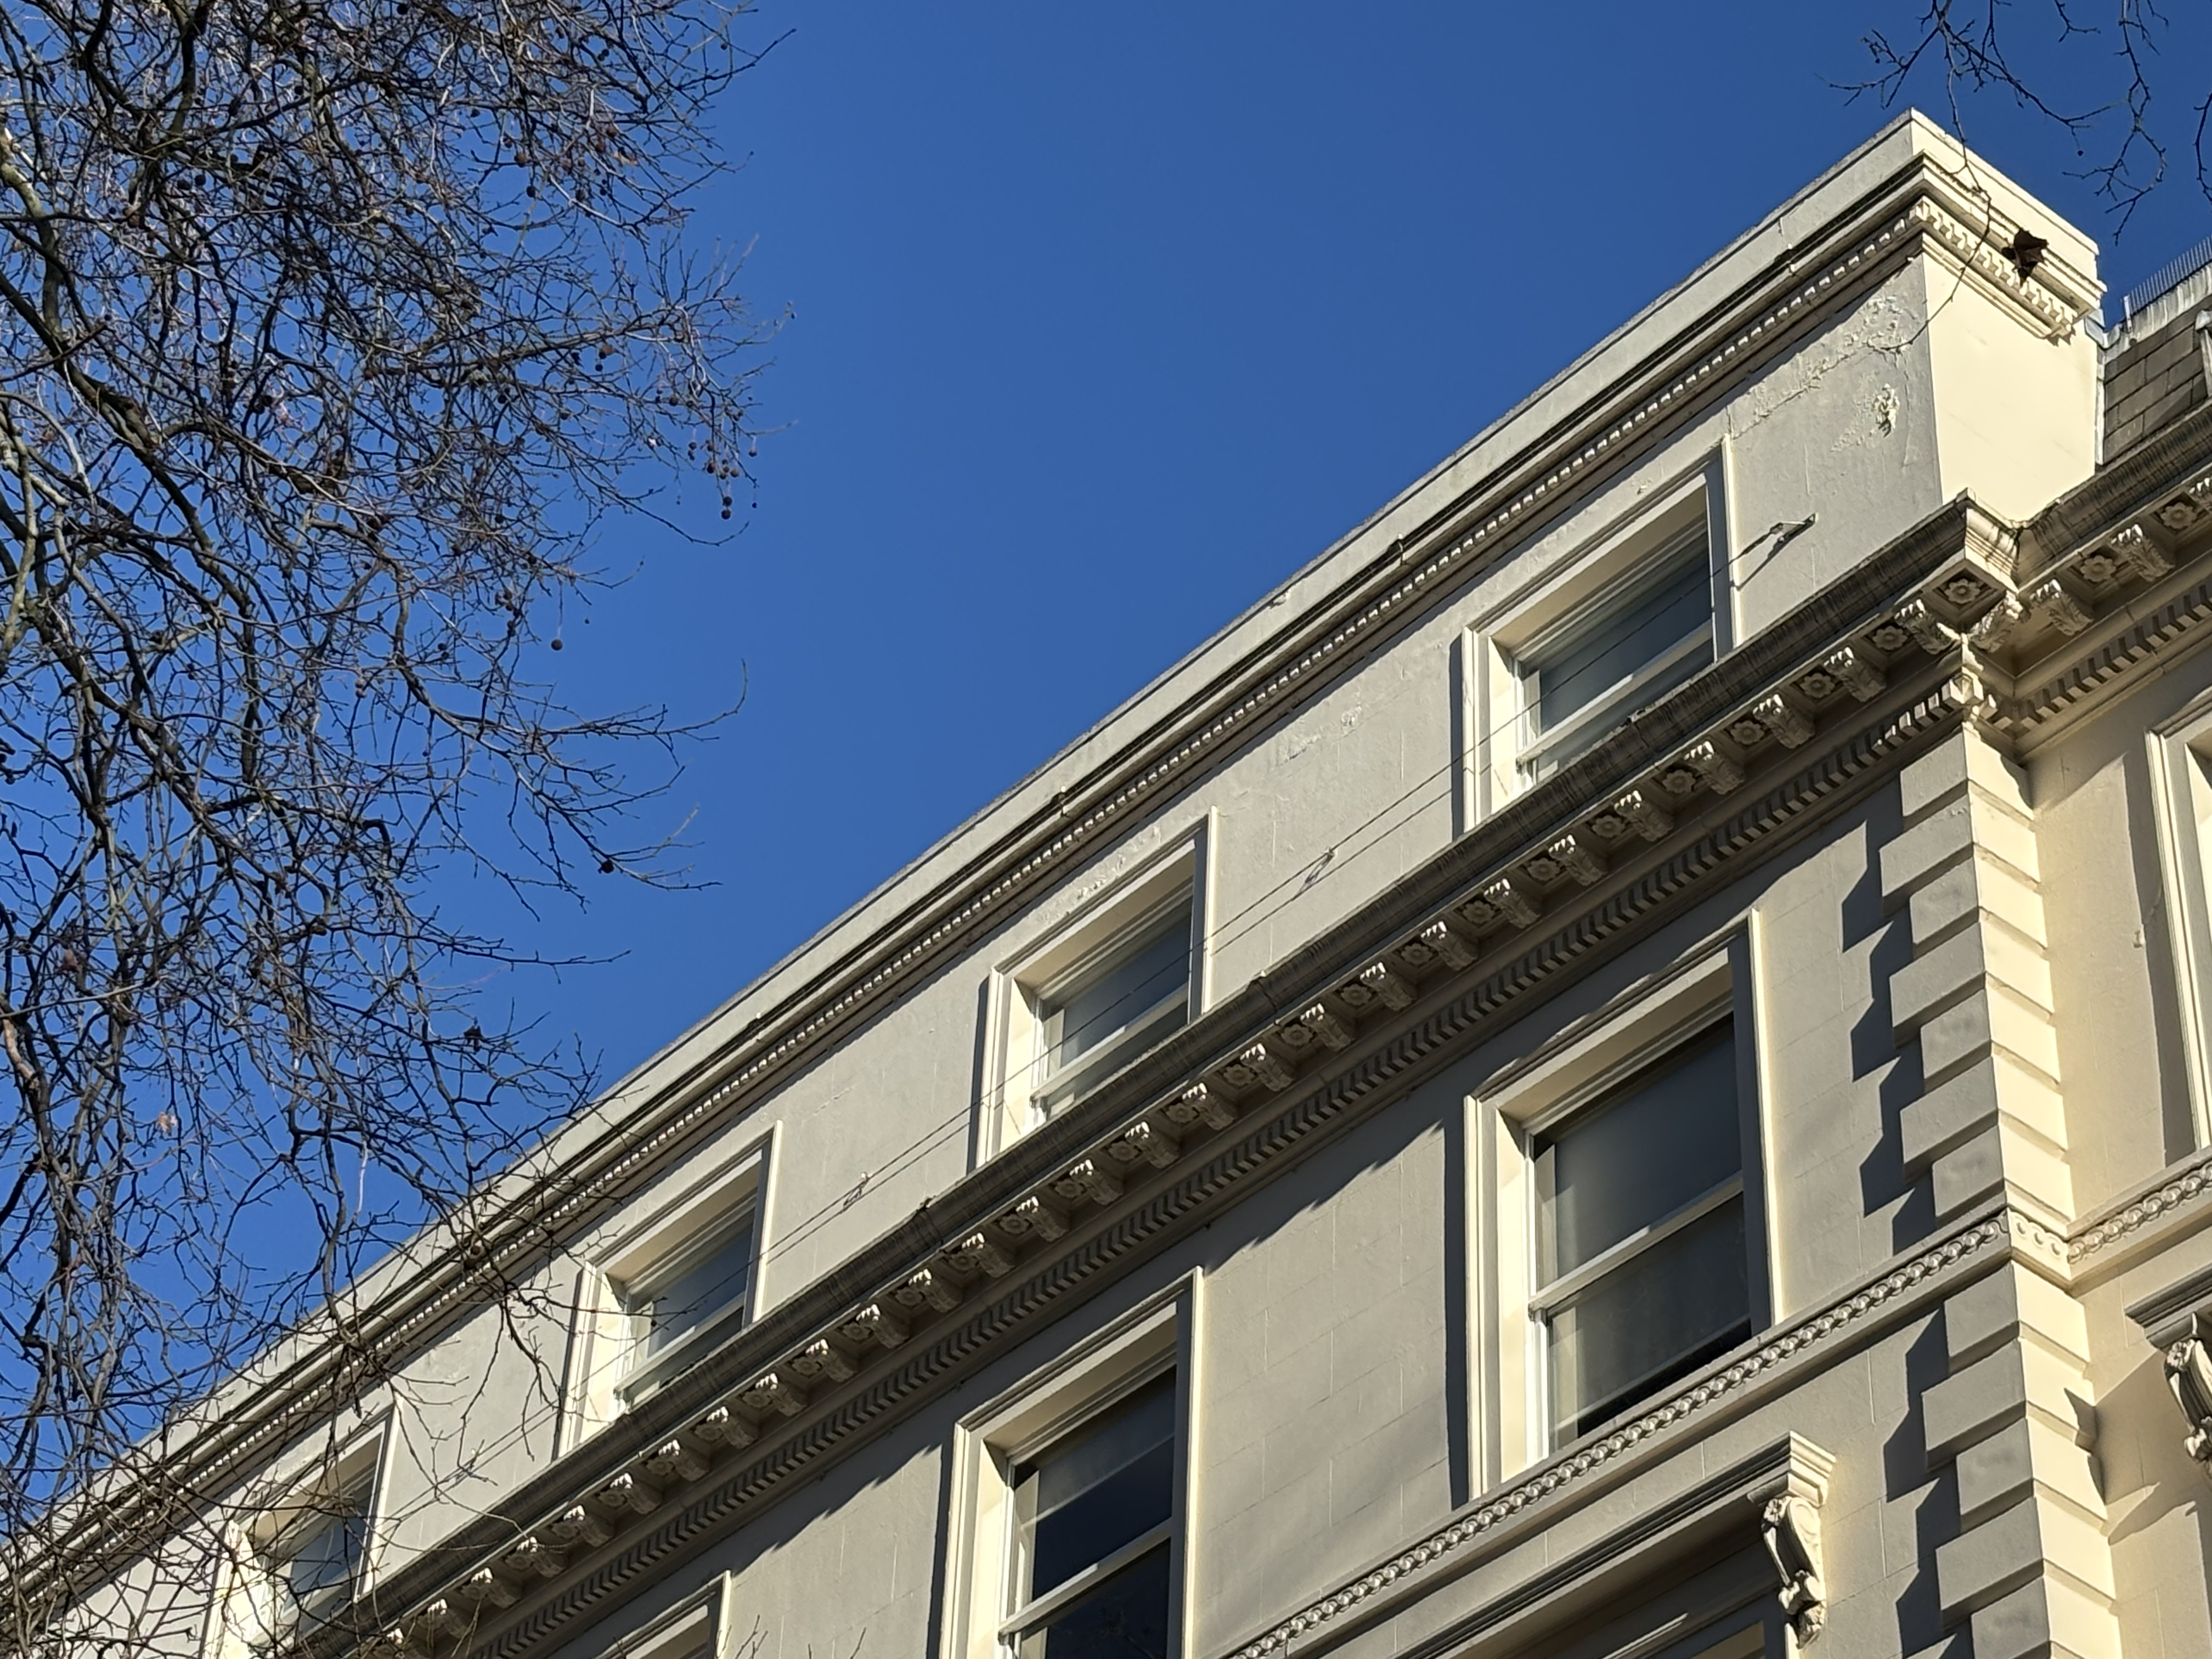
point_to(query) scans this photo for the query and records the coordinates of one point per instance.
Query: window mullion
(1109, 1045)
(1567, 1286)
(1053, 1601)
(1613, 696)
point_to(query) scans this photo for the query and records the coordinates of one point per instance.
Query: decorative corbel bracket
(2189, 1377)
(2178, 1320)
(1790, 1525)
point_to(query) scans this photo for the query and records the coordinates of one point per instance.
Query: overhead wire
(1227, 932)
(1262, 909)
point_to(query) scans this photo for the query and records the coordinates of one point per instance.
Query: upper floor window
(705, 1283)
(1067, 1524)
(697, 1628)
(1592, 622)
(2182, 780)
(1134, 991)
(302, 1560)
(1622, 651)
(670, 1277)
(1120, 977)
(1641, 1261)
(312, 1566)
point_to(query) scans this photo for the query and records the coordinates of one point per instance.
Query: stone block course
(1958, 965)
(2045, 1619)
(2014, 1301)
(1995, 1086)
(2033, 1538)
(2019, 1458)
(1974, 1403)
(1992, 1017)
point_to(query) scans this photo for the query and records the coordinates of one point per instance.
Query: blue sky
(1105, 319)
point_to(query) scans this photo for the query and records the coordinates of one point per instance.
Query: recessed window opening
(1112, 1006)
(1094, 1512)
(311, 1567)
(703, 1287)
(1640, 1244)
(1623, 652)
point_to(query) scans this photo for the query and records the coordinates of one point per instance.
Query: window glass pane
(1640, 1153)
(1633, 634)
(316, 1559)
(1121, 989)
(1072, 1085)
(715, 1281)
(1658, 1315)
(1125, 1618)
(1104, 1488)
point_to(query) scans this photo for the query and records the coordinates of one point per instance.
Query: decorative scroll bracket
(2189, 1375)
(1790, 1526)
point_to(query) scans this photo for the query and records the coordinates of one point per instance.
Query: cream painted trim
(1158, 1336)
(1727, 537)
(1564, 1073)
(1185, 856)
(2181, 783)
(2168, 1207)
(701, 1195)
(1637, 1029)
(697, 1628)
(1609, 559)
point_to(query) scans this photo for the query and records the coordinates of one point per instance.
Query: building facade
(1621, 1067)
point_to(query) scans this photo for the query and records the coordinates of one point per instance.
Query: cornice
(2109, 577)
(1540, 1497)
(1915, 210)
(2174, 1203)
(1806, 716)
(1622, 837)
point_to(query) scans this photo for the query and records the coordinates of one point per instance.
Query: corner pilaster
(2030, 1572)
(1977, 995)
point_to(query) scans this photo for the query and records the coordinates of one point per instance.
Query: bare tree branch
(329, 334)
(2095, 82)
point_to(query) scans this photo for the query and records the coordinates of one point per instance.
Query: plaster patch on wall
(1886, 404)
(1881, 325)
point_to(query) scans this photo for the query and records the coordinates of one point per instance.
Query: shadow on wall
(2170, 1483)
(1876, 1052)
(1905, 1475)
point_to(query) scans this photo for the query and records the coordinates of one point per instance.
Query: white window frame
(1533, 748)
(1495, 650)
(1157, 1338)
(1174, 875)
(697, 1628)
(674, 1220)
(248, 1564)
(1512, 1414)
(2181, 780)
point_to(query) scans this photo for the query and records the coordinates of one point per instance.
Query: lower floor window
(1094, 1515)
(1642, 1257)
